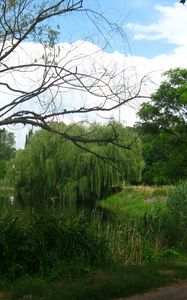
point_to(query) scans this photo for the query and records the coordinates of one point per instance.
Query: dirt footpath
(177, 291)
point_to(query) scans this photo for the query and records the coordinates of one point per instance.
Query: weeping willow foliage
(52, 168)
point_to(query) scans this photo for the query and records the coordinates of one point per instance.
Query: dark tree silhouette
(183, 1)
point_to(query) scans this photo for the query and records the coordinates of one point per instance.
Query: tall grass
(169, 223)
(159, 230)
(176, 216)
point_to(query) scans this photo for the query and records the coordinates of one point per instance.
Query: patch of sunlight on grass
(136, 200)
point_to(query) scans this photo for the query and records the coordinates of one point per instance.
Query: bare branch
(37, 84)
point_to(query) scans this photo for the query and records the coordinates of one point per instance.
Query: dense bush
(45, 243)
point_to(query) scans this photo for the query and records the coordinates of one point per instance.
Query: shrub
(45, 242)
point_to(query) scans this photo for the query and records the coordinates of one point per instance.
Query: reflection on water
(94, 210)
(91, 208)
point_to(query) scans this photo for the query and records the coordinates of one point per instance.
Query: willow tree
(53, 168)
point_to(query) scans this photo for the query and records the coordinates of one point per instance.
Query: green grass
(118, 281)
(135, 201)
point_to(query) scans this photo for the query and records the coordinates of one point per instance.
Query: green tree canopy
(53, 167)
(164, 126)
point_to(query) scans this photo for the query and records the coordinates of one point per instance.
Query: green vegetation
(164, 131)
(7, 152)
(135, 201)
(59, 254)
(49, 247)
(6, 200)
(46, 243)
(53, 168)
(177, 216)
(107, 284)
(132, 241)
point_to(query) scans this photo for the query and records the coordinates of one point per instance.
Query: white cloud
(85, 54)
(87, 58)
(171, 25)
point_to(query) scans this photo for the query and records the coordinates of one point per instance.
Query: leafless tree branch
(37, 85)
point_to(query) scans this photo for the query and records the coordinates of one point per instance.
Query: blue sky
(78, 26)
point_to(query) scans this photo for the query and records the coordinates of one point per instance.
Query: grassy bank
(136, 200)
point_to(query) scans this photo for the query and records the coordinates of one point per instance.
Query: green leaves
(164, 126)
(168, 107)
(39, 245)
(56, 168)
(7, 150)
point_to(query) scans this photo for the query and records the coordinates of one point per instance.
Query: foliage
(52, 169)
(53, 244)
(7, 150)
(6, 145)
(168, 223)
(139, 235)
(177, 202)
(7, 204)
(40, 244)
(177, 215)
(164, 130)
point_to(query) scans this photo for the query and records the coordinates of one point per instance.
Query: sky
(152, 27)
(152, 39)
